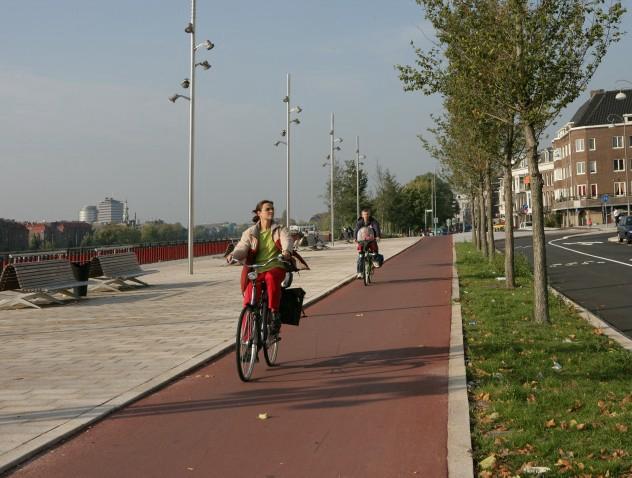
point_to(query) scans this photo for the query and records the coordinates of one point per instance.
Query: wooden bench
(38, 280)
(115, 269)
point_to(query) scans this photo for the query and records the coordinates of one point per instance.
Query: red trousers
(272, 279)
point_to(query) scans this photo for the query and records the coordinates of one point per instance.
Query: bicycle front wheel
(367, 270)
(270, 342)
(246, 343)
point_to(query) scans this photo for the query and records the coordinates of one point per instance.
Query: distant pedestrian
(589, 222)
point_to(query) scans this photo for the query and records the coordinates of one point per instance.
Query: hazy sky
(84, 111)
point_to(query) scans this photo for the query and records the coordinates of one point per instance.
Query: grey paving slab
(66, 366)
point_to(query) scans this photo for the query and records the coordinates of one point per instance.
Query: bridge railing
(146, 253)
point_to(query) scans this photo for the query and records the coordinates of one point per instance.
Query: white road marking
(582, 243)
(551, 242)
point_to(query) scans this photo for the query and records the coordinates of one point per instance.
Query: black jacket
(372, 224)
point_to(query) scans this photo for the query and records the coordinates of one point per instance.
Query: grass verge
(557, 396)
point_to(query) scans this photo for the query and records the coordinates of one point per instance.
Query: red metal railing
(146, 253)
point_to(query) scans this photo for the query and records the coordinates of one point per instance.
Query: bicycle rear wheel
(246, 343)
(270, 342)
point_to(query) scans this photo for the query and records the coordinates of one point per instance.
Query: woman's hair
(258, 208)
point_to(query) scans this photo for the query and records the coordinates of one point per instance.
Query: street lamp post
(286, 133)
(358, 163)
(189, 83)
(426, 217)
(333, 147)
(621, 96)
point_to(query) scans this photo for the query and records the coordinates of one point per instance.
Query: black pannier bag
(292, 305)
(378, 260)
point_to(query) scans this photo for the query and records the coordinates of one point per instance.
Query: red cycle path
(361, 391)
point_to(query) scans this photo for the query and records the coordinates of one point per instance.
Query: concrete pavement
(67, 366)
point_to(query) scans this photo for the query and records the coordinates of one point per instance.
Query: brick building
(587, 172)
(58, 234)
(592, 159)
(522, 205)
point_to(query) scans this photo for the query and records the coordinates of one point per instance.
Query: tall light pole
(333, 147)
(286, 133)
(621, 96)
(426, 217)
(433, 200)
(358, 163)
(190, 83)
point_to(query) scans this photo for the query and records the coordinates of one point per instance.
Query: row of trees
(399, 208)
(506, 69)
(158, 232)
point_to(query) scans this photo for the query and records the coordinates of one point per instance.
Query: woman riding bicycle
(370, 231)
(258, 244)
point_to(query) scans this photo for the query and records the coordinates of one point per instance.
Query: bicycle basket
(292, 305)
(365, 233)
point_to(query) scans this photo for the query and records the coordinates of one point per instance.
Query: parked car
(526, 226)
(624, 229)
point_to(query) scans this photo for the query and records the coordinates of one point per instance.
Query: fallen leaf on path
(262, 416)
(564, 465)
(576, 406)
(488, 462)
(534, 470)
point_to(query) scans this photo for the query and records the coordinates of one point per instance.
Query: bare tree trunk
(483, 221)
(510, 269)
(491, 248)
(540, 283)
(474, 209)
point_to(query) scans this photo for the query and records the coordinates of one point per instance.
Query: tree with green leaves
(388, 203)
(345, 194)
(544, 54)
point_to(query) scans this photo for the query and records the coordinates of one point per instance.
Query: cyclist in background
(366, 229)
(258, 244)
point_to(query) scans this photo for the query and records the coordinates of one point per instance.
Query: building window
(592, 144)
(617, 142)
(557, 174)
(618, 165)
(593, 191)
(557, 154)
(619, 189)
(581, 190)
(579, 145)
(581, 167)
(630, 141)
(592, 167)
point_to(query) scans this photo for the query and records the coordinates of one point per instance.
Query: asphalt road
(360, 391)
(595, 273)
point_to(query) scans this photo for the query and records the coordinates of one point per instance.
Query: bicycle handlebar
(277, 258)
